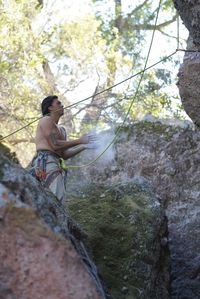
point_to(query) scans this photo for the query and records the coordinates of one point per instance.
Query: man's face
(57, 107)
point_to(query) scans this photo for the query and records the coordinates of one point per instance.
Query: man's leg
(56, 178)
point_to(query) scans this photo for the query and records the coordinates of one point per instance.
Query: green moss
(148, 128)
(6, 152)
(5, 156)
(121, 226)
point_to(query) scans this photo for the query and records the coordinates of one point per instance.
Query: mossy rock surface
(123, 224)
(153, 130)
(6, 157)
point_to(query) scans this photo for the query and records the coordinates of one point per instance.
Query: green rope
(109, 88)
(178, 32)
(74, 104)
(136, 93)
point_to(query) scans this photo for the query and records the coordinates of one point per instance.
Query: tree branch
(49, 76)
(21, 140)
(168, 35)
(130, 14)
(151, 26)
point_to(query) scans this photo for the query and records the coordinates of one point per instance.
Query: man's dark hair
(46, 103)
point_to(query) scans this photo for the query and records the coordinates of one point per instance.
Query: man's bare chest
(60, 132)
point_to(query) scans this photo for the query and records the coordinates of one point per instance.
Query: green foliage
(78, 46)
(105, 46)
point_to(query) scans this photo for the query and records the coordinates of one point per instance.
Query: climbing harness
(62, 164)
(39, 171)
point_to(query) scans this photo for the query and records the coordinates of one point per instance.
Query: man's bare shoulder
(46, 121)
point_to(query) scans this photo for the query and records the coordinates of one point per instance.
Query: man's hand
(88, 138)
(84, 139)
(91, 145)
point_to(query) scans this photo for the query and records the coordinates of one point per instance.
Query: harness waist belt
(48, 152)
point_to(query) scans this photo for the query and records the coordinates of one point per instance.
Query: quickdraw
(62, 164)
(40, 174)
(40, 170)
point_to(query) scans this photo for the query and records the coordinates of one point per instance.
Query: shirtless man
(51, 146)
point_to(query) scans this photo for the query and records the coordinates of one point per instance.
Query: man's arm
(72, 151)
(52, 136)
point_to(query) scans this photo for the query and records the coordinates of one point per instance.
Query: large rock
(168, 157)
(37, 258)
(189, 85)
(189, 73)
(189, 12)
(184, 213)
(127, 233)
(34, 261)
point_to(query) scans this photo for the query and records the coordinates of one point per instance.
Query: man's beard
(61, 112)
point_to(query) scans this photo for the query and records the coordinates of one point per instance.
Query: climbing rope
(178, 32)
(129, 109)
(109, 88)
(94, 95)
(189, 51)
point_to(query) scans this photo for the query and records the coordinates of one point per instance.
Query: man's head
(50, 104)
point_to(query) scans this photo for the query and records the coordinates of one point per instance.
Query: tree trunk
(53, 89)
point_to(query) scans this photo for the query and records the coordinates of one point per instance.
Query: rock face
(34, 262)
(185, 212)
(188, 84)
(168, 157)
(189, 72)
(128, 237)
(126, 231)
(37, 259)
(189, 12)
(122, 216)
